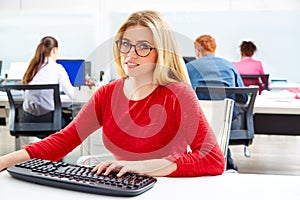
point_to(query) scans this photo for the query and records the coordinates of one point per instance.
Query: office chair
(245, 134)
(41, 130)
(262, 80)
(219, 115)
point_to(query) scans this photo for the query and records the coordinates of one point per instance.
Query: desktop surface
(7, 81)
(227, 186)
(81, 96)
(277, 87)
(276, 103)
(277, 113)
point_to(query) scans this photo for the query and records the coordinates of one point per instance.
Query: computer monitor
(0, 67)
(188, 59)
(75, 69)
(88, 68)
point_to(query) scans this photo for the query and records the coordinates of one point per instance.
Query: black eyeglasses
(142, 49)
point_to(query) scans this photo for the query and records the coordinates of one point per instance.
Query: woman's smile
(131, 65)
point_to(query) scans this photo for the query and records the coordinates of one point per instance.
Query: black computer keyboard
(80, 178)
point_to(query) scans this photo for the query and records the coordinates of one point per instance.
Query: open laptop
(15, 73)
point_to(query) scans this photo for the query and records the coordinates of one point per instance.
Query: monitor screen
(75, 70)
(188, 59)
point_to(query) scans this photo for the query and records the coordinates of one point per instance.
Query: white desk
(81, 96)
(283, 86)
(265, 105)
(227, 186)
(277, 114)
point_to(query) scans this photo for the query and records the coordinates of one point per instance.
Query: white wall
(272, 25)
(85, 28)
(76, 25)
(275, 33)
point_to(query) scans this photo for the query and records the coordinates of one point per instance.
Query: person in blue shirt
(210, 70)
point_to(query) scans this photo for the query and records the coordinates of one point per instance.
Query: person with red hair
(210, 70)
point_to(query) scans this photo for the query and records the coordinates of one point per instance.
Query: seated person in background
(43, 69)
(209, 70)
(149, 116)
(249, 66)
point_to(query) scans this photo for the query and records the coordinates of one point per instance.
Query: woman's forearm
(160, 167)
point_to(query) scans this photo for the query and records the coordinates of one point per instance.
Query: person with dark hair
(247, 65)
(150, 117)
(210, 70)
(43, 69)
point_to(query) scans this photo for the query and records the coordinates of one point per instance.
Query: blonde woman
(149, 116)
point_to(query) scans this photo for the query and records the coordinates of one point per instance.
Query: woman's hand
(119, 166)
(155, 167)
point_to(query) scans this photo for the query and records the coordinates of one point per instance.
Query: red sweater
(161, 125)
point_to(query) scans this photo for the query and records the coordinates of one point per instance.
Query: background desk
(81, 96)
(277, 116)
(227, 186)
(275, 87)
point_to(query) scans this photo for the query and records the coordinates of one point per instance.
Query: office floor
(269, 154)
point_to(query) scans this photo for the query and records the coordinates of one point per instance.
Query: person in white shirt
(43, 69)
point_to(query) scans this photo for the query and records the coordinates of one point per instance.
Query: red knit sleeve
(205, 157)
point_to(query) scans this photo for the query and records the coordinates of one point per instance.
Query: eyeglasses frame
(133, 45)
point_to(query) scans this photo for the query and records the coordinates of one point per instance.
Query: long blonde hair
(170, 66)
